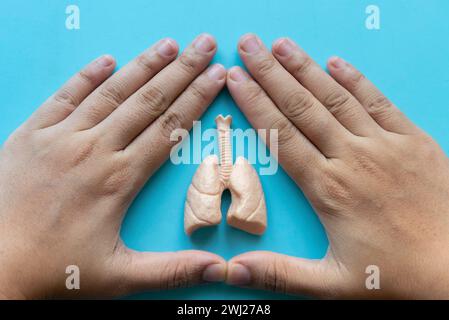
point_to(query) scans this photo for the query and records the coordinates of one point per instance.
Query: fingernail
(166, 48)
(214, 273)
(237, 75)
(250, 44)
(216, 72)
(337, 62)
(284, 47)
(204, 43)
(238, 275)
(105, 61)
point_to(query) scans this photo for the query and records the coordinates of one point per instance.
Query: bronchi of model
(203, 204)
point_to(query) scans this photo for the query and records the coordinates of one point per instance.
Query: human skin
(69, 173)
(379, 184)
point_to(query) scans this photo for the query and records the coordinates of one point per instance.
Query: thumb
(143, 271)
(285, 274)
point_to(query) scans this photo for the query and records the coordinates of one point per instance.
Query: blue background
(408, 58)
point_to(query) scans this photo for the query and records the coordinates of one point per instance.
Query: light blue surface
(408, 59)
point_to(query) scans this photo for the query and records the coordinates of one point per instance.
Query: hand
(379, 184)
(68, 175)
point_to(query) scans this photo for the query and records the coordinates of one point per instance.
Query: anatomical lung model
(203, 205)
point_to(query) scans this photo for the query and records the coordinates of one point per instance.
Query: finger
(378, 106)
(152, 147)
(150, 101)
(123, 84)
(71, 94)
(297, 155)
(141, 271)
(284, 274)
(345, 108)
(297, 103)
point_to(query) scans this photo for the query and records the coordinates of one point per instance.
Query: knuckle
(87, 77)
(427, 141)
(334, 194)
(117, 180)
(200, 93)
(176, 276)
(366, 164)
(379, 106)
(302, 66)
(265, 67)
(296, 104)
(253, 94)
(171, 121)
(285, 131)
(83, 152)
(275, 277)
(354, 79)
(18, 139)
(188, 62)
(428, 148)
(154, 98)
(95, 113)
(112, 93)
(337, 103)
(66, 98)
(332, 185)
(145, 62)
(366, 158)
